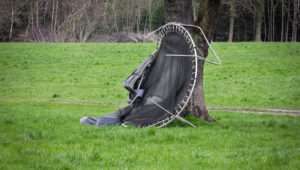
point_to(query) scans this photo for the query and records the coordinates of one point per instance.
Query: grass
(46, 88)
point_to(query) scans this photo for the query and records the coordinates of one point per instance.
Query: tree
(182, 11)
(232, 15)
(12, 21)
(257, 9)
(296, 4)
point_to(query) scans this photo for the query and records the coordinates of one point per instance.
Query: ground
(46, 88)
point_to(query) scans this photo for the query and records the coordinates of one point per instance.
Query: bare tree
(12, 20)
(232, 15)
(295, 20)
(282, 20)
(259, 14)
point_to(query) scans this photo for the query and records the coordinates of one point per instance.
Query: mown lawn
(46, 88)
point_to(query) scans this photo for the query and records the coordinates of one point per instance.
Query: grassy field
(46, 88)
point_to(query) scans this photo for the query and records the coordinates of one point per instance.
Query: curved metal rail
(162, 32)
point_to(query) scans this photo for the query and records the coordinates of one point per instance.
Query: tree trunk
(207, 19)
(260, 6)
(150, 15)
(258, 24)
(179, 11)
(287, 22)
(231, 20)
(294, 22)
(282, 21)
(12, 20)
(182, 11)
(231, 29)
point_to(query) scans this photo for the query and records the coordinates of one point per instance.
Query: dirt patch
(270, 111)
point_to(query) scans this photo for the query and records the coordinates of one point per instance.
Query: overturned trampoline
(161, 88)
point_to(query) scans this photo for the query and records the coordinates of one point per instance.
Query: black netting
(162, 79)
(166, 83)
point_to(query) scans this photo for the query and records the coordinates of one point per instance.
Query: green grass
(46, 88)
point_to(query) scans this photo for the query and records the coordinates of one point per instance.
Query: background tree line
(99, 20)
